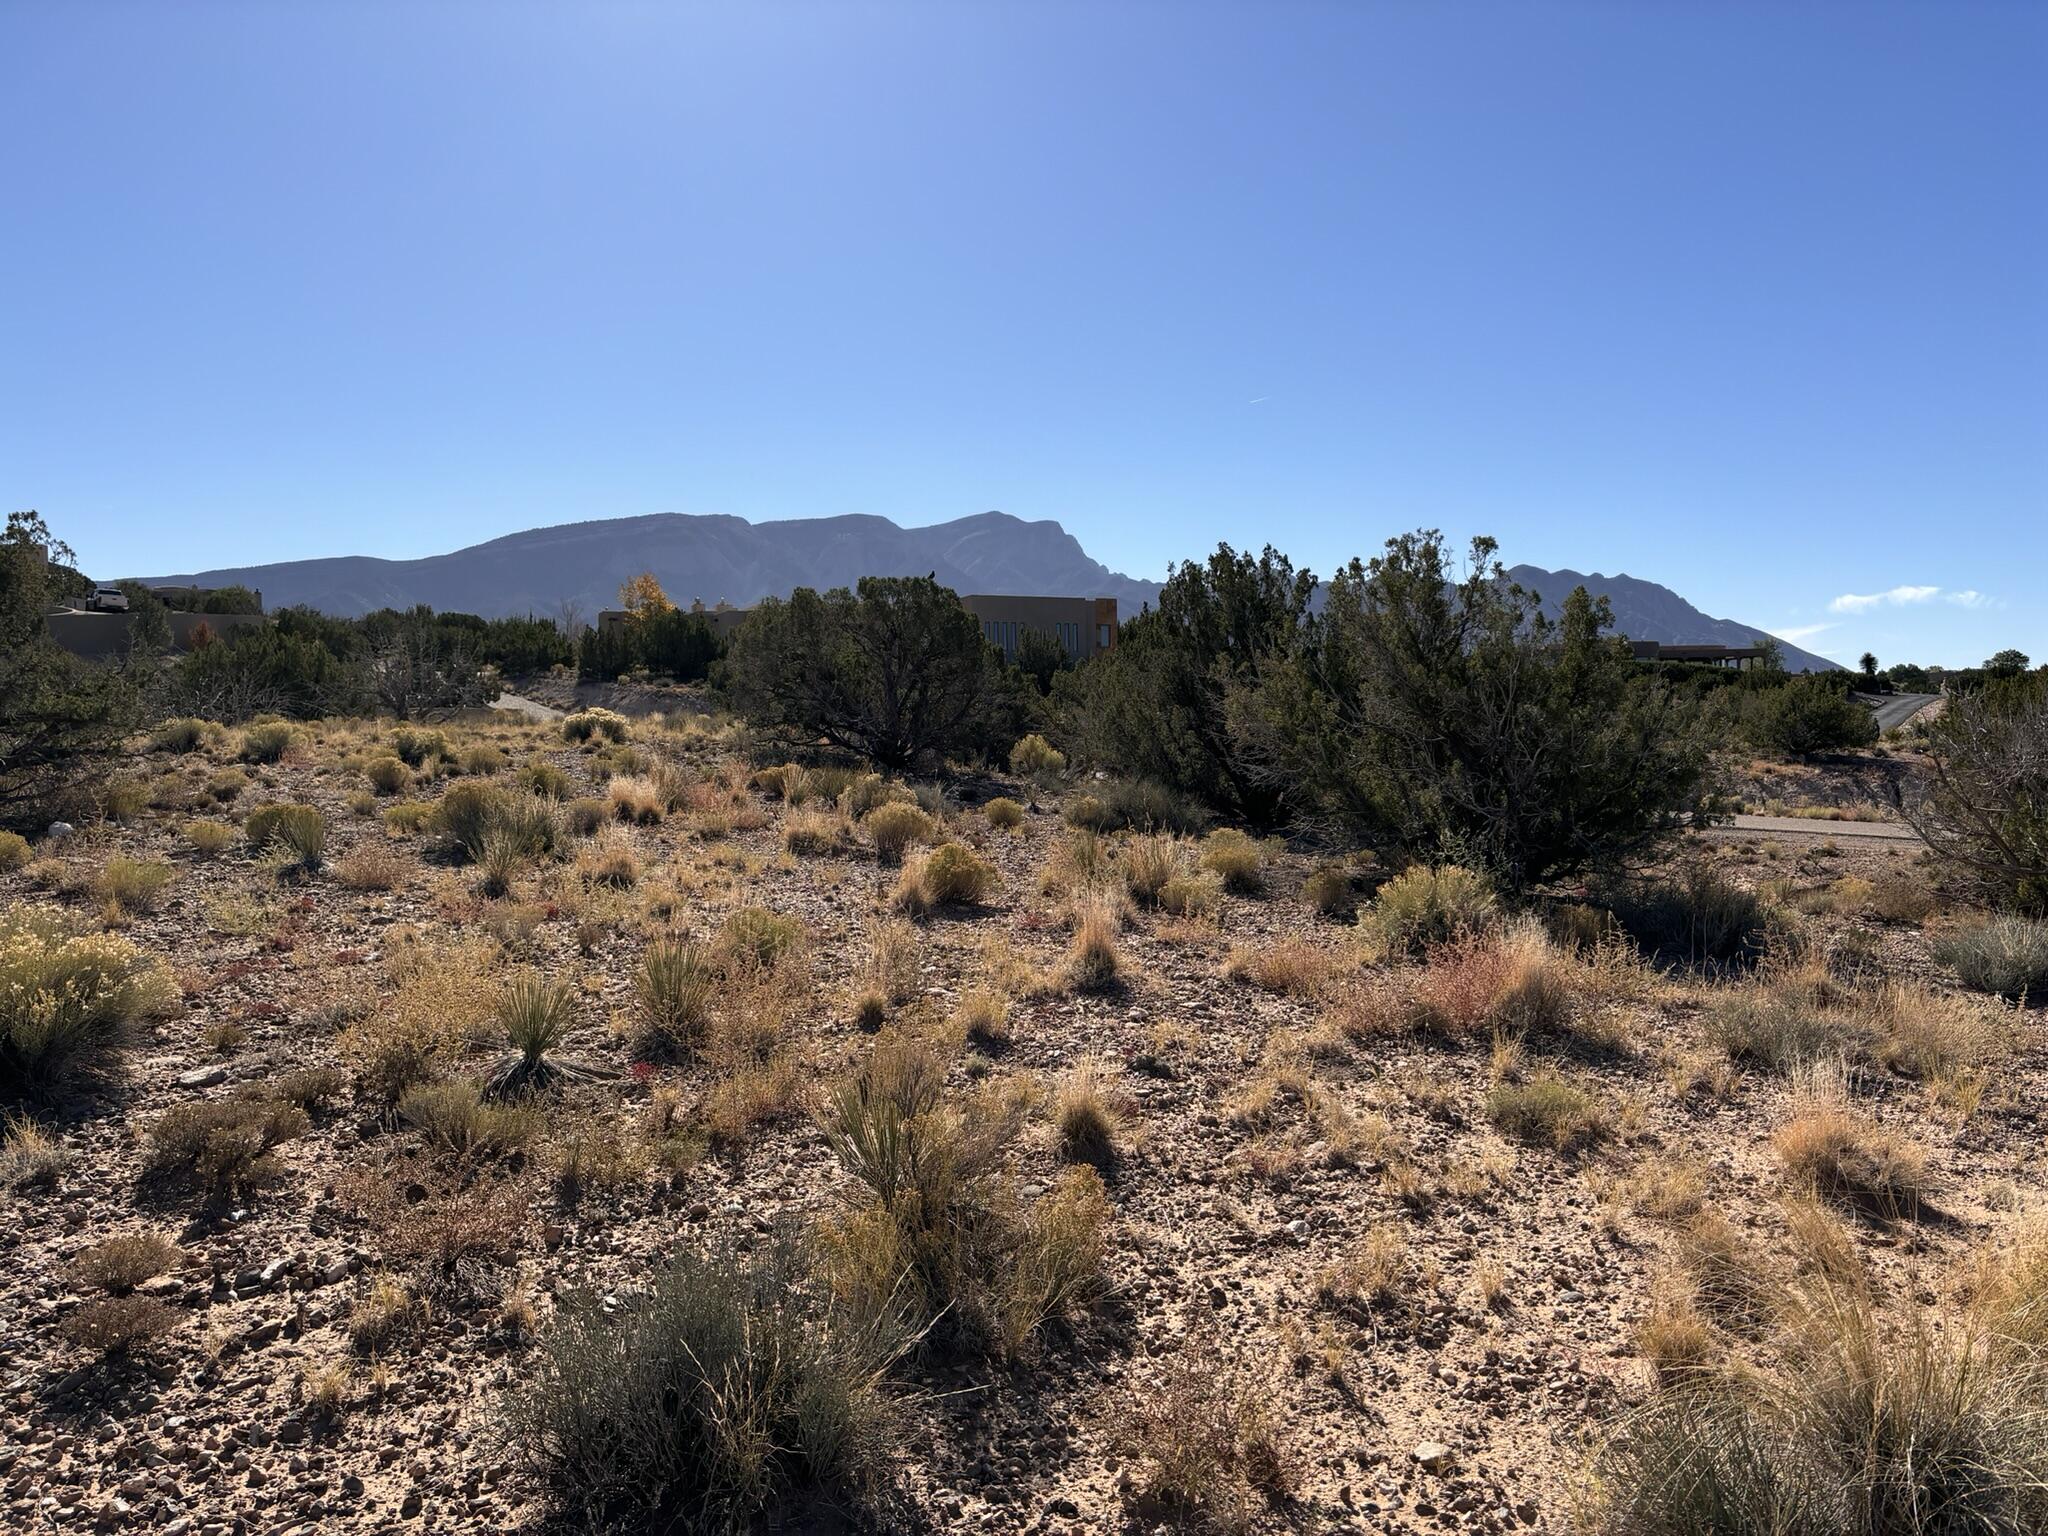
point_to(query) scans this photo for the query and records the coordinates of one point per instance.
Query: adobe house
(1083, 625)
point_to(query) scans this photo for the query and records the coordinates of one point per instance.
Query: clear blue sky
(1748, 299)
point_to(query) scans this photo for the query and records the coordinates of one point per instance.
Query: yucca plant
(537, 1013)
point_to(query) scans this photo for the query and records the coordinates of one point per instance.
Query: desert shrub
(673, 993)
(371, 869)
(133, 885)
(609, 860)
(940, 1241)
(983, 1016)
(952, 874)
(1804, 715)
(866, 791)
(894, 826)
(409, 816)
(586, 814)
(543, 778)
(635, 797)
(1034, 757)
(120, 1325)
(416, 747)
(1206, 1443)
(267, 742)
(1548, 1108)
(2006, 954)
(1332, 889)
(754, 936)
(1190, 895)
(1936, 1038)
(454, 1118)
(223, 1147)
(186, 734)
(14, 852)
(1138, 805)
(475, 818)
(1982, 805)
(1836, 1151)
(1087, 1116)
(1004, 814)
(225, 785)
(1236, 859)
(1899, 898)
(119, 1264)
(66, 998)
(1762, 1025)
(1092, 960)
(480, 760)
(297, 832)
(1425, 906)
(816, 834)
(1701, 917)
(1086, 813)
(387, 775)
(724, 1394)
(208, 837)
(1862, 1422)
(1148, 863)
(590, 724)
(441, 999)
(310, 1088)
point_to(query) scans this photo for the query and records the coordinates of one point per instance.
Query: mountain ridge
(721, 557)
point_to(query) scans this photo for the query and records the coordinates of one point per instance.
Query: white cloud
(1967, 599)
(1792, 634)
(1863, 602)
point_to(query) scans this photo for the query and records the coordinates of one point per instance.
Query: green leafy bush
(1701, 917)
(1807, 714)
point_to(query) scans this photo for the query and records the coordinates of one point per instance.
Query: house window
(1102, 637)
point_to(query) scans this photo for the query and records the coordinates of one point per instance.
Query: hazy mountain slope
(711, 558)
(1645, 611)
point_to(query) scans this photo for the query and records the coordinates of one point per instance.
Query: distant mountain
(732, 560)
(713, 558)
(1645, 611)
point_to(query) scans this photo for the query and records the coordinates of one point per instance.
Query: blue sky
(1748, 299)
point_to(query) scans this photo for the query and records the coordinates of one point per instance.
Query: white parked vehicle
(109, 600)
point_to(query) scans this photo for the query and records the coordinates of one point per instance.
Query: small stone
(203, 1077)
(411, 1506)
(1432, 1456)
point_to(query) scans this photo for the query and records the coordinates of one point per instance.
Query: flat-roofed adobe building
(1082, 625)
(1740, 658)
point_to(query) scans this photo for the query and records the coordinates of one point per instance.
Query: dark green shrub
(1807, 714)
(186, 734)
(1982, 804)
(724, 1395)
(1701, 917)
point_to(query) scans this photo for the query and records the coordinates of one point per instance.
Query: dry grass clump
(756, 937)
(1673, 1334)
(1149, 862)
(14, 852)
(130, 886)
(417, 748)
(1935, 1037)
(636, 798)
(1836, 1151)
(1862, 1420)
(2005, 954)
(1290, 967)
(1700, 917)
(66, 998)
(1088, 1115)
(726, 1395)
(1004, 814)
(817, 834)
(183, 735)
(442, 999)
(268, 741)
(452, 1232)
(1378, 1279)
(541, 777)
(208, 838)
(381, 1314)
(938, 1238)
(951, 874)
(1206, 1442)
(118, 1265)
(895, 967)
(983, 1016)
(120, 1325)
(1901, 898)
(222, 1148)
(1236, 859)
(409, 817)
(387, 775)
(893, 826)
(595, 724)
(1033, 757)
(1333, 889)
(609, 859)
(1092, 961)
(372, 869)
(586, 814)
(291, 834)
(1549, 1109)
(1191, 896)
(30, 1157)
(453, 1117)
(1423, 907)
